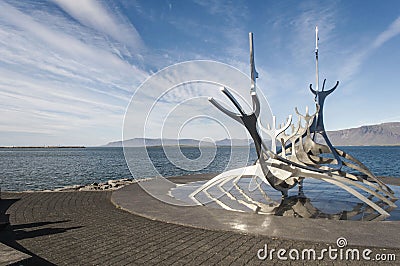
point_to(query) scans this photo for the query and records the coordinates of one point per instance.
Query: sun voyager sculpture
(297, 157)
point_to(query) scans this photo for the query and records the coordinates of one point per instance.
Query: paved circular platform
(364, 233)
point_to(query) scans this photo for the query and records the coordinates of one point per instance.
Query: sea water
(50, 168)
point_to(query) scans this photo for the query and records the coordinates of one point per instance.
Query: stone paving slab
(9, 255)
(85, 228)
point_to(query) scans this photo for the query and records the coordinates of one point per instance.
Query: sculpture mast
(316, 59)
(253, 70)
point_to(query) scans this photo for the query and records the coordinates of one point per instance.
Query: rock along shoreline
(101, 186)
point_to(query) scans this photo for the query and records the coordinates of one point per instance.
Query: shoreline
(115, 184)
(166, 146)
(42, 147)
(110, 185)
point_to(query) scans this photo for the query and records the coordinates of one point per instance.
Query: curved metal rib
(325, 93)
(256, 104)
(233, 100)
(225, 111)
(339, 182)
(273, 132)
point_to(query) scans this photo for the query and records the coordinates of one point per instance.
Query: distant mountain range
(386, 134)
(140, 142)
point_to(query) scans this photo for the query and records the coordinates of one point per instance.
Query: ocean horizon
(51, 168)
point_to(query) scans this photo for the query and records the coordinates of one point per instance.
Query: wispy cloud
(303, 24)
(64, 76)
(228, 23)
(92, 14)
(61, 42)
(228, 10)
(392, 31)
(68, 68)
(355, 61)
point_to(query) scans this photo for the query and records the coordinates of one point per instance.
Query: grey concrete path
(85, 228)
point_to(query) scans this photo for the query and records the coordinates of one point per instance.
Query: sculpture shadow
(10, 234)
(4, 205)
(24, 234)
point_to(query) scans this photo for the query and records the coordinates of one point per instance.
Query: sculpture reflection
(315, 200)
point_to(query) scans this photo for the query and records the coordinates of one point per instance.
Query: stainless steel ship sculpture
(298, 157)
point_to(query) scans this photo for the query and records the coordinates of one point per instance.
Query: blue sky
(69, 68)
